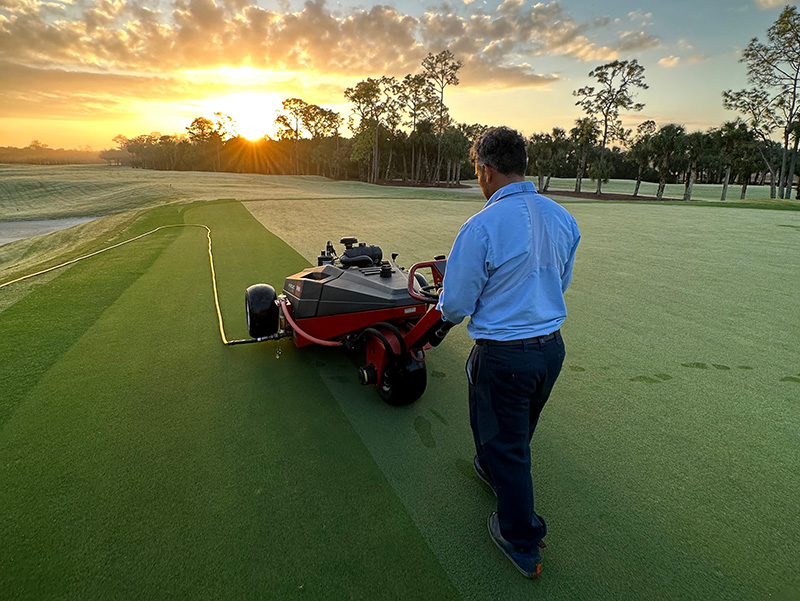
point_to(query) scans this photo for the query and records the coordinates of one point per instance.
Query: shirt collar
(508, 190)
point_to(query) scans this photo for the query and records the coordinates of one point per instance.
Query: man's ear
(489, 173)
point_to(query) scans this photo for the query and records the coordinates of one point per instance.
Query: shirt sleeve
(466, 274)
(566, 274)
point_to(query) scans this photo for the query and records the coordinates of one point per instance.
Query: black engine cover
(332, 290)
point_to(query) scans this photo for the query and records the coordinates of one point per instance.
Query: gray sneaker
(528, 563)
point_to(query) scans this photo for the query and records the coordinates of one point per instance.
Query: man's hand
(441, 332)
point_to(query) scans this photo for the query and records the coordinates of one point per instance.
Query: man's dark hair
(501, 148)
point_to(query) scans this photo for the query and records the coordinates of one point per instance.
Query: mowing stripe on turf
(150, 460)
(139, 237)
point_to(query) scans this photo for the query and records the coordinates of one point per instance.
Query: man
(508, 269)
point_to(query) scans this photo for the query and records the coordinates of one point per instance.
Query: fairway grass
(31, 192)
(140, 458)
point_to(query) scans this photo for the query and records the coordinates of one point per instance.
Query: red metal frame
(413, 321)
(438, 278)
(333, 326)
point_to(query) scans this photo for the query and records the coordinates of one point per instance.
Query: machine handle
(437, 269)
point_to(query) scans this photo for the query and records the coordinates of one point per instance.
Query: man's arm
(566, 275)
(466, 274)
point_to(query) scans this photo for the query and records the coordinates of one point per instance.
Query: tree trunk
(687, 192)
(428, 169)
(790, 174)
(541, 180)
(389, 163)
(771, 173)
(579, 175)
(745, 181)
(599, 186)
(441, 132)
(438, 173)
(546, 184)
(725, 181)
(784, 161)
(375, 158)
(662, 183)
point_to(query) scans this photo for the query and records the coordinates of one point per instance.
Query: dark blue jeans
(508, 388)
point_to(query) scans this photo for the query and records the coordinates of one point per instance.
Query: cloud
(639, 15)
(669, 61)
(493, 77)
(134, 36)
(100, 59)
(58, 93)
(768, 4)
(636, 41)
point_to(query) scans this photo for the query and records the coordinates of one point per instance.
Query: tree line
(38, 153)
(402, 131)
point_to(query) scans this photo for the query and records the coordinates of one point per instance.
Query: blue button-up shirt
(510, 265)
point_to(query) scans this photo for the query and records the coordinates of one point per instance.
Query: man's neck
(501, 180)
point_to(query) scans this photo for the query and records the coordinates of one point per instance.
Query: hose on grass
(225, 340)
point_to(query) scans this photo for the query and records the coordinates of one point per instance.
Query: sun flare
(252, 97)
(253, 112)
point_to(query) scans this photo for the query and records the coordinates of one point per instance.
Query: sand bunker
(11, 231)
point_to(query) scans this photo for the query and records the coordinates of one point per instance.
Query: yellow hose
(210, 262)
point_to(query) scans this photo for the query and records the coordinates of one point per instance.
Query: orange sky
(78, 72)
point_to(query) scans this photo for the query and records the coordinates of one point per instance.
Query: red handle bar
(437, 269)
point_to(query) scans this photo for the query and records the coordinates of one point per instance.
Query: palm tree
(584, 135)
(668, 145)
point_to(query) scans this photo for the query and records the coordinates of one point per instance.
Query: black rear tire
(403, 384)
(261, 310)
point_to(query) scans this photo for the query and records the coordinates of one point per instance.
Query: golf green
(141, 458)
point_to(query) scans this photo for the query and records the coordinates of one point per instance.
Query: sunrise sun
(251, 97)
(253, 112)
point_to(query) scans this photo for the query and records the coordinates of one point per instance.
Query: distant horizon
(77, 76)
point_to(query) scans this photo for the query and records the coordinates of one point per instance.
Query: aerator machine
(359, 301)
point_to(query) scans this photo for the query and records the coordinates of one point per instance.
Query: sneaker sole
(531, 575)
